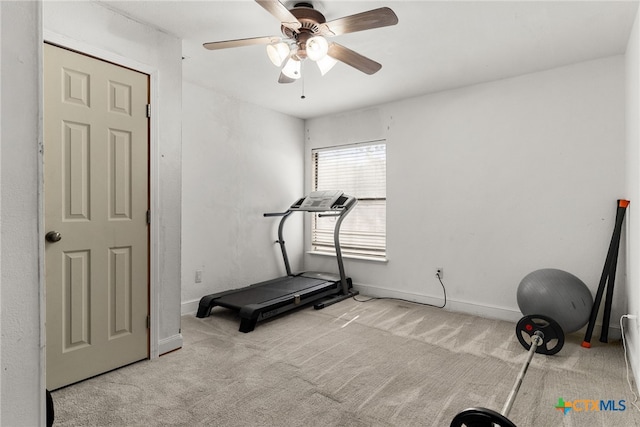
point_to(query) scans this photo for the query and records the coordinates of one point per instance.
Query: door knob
(53, 236)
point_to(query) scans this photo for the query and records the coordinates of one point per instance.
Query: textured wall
(493, 181)
(240, 160)
(21, 376)
(633, 192)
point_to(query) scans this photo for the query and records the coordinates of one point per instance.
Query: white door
(96, 199)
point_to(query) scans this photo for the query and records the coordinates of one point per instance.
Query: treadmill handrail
(322, 215)
(339, 211)
(336, 240)
(276, 213)
(280, 241)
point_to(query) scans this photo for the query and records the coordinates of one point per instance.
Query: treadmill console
(320, 201)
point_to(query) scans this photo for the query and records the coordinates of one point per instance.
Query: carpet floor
(375, 363)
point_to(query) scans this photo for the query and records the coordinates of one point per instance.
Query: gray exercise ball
(558, 295)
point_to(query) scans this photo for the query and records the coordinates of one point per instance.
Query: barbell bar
(536, 333)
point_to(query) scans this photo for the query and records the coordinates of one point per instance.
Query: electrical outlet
(198, 276)
(440, 272)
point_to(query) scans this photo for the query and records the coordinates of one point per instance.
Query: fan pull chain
(302, 78)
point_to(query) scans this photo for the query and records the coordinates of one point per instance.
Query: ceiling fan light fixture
(325, 64)
(317, 48)
(291, 68)
(278, 52)
(304, 29)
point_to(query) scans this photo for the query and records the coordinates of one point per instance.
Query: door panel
(96, 197)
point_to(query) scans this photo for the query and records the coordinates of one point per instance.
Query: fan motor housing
(308, 17)
(310, 20)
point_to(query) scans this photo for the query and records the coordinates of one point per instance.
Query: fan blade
(376, 18)
(240, 42)
(281, 13)
(353, 59)
(285, 79)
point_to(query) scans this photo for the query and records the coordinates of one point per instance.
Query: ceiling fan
(305, 30)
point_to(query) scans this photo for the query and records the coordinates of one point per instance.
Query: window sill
(350, 256)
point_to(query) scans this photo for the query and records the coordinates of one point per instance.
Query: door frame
(154, 161)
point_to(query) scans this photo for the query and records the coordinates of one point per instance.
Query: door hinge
(148, 217)
(148, 111)
(148, 322)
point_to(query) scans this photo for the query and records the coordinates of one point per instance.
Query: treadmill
(266, 299)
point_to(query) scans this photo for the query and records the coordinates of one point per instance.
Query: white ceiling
(436, 45)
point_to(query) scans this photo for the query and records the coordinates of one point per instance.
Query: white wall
(241, 161)
(91, 28)
(21, 369)
(632, 167)
(487, 222)
(491, 182)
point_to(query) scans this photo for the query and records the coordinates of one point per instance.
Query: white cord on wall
(626, 360)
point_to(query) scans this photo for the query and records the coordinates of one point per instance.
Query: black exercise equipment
(608, 275)
(266, 299)
(536, 333)
(553, 336)
(51, 416)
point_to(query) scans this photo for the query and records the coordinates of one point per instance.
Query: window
(359, 170)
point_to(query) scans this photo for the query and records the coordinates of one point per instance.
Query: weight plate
(480, 417)
(553, 339)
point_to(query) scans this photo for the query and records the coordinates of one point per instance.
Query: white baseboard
(492, 312)
(168, 344)
(189, 307)
(487, 311)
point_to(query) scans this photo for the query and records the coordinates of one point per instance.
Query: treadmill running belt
(270, 298)
(266, 291)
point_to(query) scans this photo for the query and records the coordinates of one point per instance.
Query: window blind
(359, 170)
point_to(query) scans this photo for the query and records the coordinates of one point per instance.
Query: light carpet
(376, 363)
